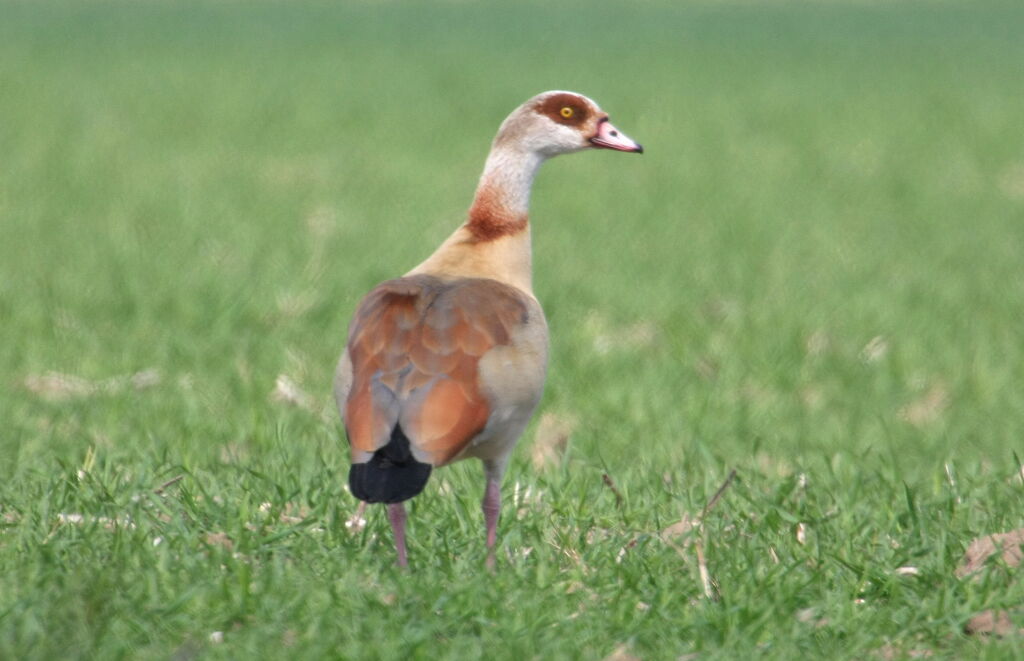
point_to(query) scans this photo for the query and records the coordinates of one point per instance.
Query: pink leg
(492, 508)
(396, 515)
(356, 522)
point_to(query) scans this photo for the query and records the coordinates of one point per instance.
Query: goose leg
(491, 506)
(396, 515)
(356, 521)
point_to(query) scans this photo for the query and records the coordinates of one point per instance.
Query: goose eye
(566, 112)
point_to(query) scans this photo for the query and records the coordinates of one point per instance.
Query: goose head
(559, 122)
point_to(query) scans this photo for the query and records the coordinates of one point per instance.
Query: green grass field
(814, 276)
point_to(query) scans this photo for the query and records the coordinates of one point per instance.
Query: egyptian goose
(449, 360)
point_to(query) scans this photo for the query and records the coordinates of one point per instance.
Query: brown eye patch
(568, 109)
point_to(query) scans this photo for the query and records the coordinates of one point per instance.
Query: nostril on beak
(615, 134)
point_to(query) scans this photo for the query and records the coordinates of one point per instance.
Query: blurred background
(820, 248)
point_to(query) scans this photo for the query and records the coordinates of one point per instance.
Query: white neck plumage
(504, 188)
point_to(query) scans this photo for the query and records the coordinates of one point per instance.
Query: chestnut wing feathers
(415, 345)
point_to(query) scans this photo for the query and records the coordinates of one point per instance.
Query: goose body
(449, 360)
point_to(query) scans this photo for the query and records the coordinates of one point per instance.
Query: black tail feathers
(391, 475)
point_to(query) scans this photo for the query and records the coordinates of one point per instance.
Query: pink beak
(609, 137)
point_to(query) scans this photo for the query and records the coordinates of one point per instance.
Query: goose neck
(502, 202)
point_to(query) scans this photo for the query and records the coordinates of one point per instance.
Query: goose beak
(609, 137)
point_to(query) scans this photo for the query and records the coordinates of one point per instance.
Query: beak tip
(639, 148)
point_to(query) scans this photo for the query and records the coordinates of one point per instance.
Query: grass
(813, 277)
